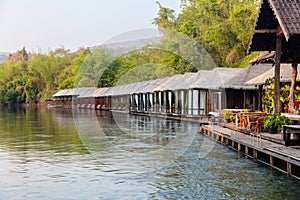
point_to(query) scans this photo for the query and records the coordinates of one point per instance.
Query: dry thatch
(238, 82)
(285, 75)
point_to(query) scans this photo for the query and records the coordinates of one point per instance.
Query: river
(84, 154)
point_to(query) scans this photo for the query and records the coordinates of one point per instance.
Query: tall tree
(223, 27)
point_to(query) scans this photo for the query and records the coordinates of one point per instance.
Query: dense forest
(217, 30)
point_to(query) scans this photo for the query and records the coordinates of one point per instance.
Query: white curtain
(190, 102)
(202, 102)
(182, 102)
(136, 100)
(151, 99)
(195, 102)
(170, 99)
(176, 101)
(159, 101)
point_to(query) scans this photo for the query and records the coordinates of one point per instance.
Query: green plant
(268, 97)
(227, 114)
(274, 120)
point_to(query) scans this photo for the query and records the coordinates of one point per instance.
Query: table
(295, 118)
(252, 120)
(287, 132)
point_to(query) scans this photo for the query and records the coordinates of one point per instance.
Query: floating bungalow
(239, 94)
(182, 95)
(101, 102)
(86, 97)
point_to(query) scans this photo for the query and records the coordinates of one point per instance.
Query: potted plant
(227, 115)
(273, 122)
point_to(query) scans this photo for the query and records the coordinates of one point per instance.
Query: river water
(65, 154)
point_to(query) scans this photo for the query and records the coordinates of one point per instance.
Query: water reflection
(130, 143)
(45, 156)
(24, 129)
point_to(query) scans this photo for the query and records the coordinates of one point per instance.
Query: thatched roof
(64, 93)
(169, 84)
(153, 84)
(184, 81)
(215, 78)
(86, 92)
(238, 82)
(100, 91)
(79, 92)
(285, 75)
(204, 79)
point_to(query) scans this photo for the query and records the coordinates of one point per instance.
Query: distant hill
(127, 46)
(3, 56)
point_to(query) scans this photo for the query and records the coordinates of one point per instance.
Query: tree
(222, 27)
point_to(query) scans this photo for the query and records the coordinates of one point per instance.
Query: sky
(43, 25)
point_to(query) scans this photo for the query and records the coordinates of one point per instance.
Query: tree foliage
(223, 27)
(30, 78)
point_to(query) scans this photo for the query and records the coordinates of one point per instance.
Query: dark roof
(264, 57)
(288, 15)
(272, 13)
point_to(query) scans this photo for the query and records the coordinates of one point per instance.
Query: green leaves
(274, 120)
(223, 27)
(30, 78)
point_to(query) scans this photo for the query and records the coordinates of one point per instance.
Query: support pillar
(260, 87)
(277, 104)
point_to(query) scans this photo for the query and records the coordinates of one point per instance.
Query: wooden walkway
(264, 147)
(265, 135)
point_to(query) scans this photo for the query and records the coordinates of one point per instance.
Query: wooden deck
(265, 135)
(264, 147)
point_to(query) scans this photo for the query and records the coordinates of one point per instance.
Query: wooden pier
(261, 148)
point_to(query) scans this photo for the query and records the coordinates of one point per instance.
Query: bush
(274, 120)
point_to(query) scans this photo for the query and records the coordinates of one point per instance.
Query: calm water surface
(60, 154)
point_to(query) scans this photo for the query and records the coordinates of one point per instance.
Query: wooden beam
(277, 104)
(265, 31)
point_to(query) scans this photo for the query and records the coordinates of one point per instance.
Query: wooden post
(289, 168)
(293, 82)
(239, 147)
(244, 97)
(277, 107)
(271, 161)
(255, 153)
(259, 97)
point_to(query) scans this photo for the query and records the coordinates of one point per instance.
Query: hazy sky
(40, 25)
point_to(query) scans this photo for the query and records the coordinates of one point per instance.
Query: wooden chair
(252, 123)
(259, 125)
